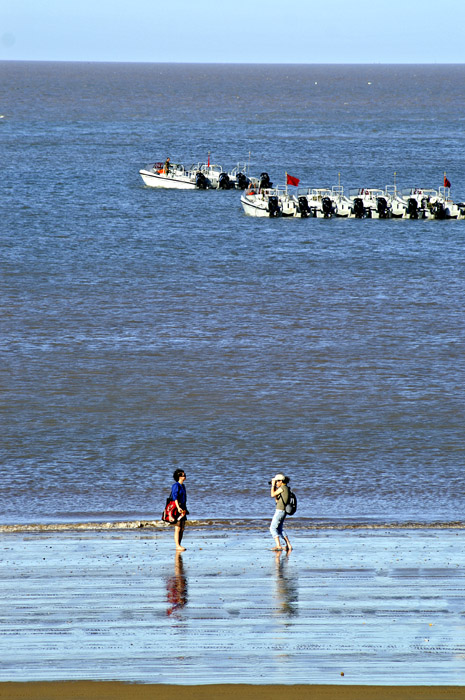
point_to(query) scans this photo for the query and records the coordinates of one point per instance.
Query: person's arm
(181, 510)
(274, 491)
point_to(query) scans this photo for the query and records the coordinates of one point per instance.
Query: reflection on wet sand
(176, 587)
(344, 607)
(286, 586)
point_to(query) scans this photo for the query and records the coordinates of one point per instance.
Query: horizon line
(230, 63)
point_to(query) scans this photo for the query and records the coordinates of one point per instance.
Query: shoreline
(114, 690)
(298, 524)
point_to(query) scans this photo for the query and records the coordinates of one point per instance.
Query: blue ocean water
(146, 330)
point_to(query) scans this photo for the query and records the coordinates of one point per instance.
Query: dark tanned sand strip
(89, 690)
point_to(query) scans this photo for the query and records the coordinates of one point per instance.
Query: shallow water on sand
(341, 608)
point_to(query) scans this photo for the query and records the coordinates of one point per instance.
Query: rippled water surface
(145, 330)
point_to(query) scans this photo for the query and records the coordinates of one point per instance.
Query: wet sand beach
(348, 613)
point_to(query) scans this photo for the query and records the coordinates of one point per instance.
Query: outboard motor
(412, 209)
(439, 210)
(424, 208)
(359, 209)
(201, 181)
(327, 205)
(265, 182)
(304, 208)
(383, 208)
(224, 182)
(273, 206)
(242, 181)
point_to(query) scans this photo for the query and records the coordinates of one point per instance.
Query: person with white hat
(280, 492)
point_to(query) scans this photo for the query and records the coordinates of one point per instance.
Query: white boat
(314, 202)
(461, 208)
(201, 176)
(397, 203)
(370, 203)
(177, 178)
(430, 204)
(324, 203)
(417, 202)
(320, 202)
(342, 206)
(240, 179)
(269, 202)
(212, 174)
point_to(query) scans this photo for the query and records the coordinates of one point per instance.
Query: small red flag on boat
(446, 182)
(292, 180)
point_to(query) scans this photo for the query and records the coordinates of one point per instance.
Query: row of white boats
(260, 198)
(360, 203)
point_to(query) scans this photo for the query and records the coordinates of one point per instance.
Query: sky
(233, 31)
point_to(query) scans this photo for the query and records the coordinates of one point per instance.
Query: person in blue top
(179, 495)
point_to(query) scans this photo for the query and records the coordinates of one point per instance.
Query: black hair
(178, 473)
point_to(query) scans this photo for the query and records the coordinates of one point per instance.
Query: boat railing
(177, 168)
(314, 192)
(372, 192)
(268, 191)
(418, 191)
(255, 189)
(320, 192)
(155, 167)
(239, 168)
(160, 168)
(205, 168)
(445, 193)
(360, 192)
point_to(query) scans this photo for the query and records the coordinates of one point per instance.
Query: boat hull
(167, 182)
(270, 203)
(255, 208)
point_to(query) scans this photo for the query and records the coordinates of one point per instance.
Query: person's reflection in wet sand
(286, 586)
(176, 587)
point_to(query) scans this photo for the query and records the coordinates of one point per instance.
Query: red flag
(292, 180)
(446, 182)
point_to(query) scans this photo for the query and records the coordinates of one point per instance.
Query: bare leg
(278, 544)
(178, 533)
(289, 546)
(181, 529)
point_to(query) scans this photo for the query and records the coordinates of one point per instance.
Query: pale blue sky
(233, 31)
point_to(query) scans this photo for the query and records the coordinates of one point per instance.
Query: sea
(145, 330)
